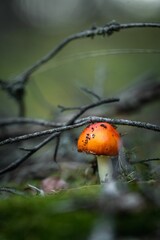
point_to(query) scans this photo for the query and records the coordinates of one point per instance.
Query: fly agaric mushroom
(102, 140)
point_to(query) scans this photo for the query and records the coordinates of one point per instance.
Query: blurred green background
(30, 29)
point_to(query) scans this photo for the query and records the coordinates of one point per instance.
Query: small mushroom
(102, 140)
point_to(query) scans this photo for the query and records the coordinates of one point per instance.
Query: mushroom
(102, 140)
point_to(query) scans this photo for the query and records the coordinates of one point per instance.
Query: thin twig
(38, 191)
(80, 123)
(86, 90)
(11, 190)
(63, 109)
(87, 107)
(146, 90)
(56, 148)
(97, 53)
(19, 161)
(145, 160)
(108, 29)
(22, 120)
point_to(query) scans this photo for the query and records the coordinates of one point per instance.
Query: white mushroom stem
(105, 168)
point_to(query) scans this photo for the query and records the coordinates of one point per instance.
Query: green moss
(51, 217)
(72, 214)
(26, 222)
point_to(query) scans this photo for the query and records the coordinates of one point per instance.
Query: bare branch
(11, 190)
(108, 29)
(145, 160)
(91, 93)
(145, 90)
(126, 122)
(80, 123)
(103, 52)
(21, 120)
(56, 148)
(89, 106)
(63, 109)
(16, 163)
(16, 87)
(39, 133)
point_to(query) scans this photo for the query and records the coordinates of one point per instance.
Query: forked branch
(16, 87)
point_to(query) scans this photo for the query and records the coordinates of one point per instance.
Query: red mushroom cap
(99, 138)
